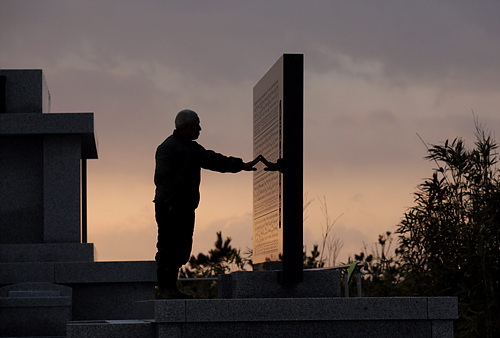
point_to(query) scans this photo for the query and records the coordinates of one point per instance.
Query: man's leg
(175, 239)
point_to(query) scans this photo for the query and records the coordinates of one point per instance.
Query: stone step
(111, 329)
(290, 317)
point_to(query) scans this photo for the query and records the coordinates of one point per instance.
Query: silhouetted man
(179, 160)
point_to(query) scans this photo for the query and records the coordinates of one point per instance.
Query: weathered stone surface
(264, 284)
(304, 317)
(295, 309)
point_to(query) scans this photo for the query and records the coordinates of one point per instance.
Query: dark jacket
(178, 170)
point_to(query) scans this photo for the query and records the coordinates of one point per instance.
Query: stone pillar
(40, 161)
(61, 190)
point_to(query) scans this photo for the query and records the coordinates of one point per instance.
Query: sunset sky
(376, 74)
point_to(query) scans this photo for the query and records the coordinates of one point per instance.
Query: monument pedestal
(284, 317)
(264, 284)
(256, 305)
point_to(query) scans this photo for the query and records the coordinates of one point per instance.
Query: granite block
(93, 301)
(171, 330)
(145, 309)
(164, 311)
(442, 328)
(105, 272)
(107, 290)
(110, 329)
(47, 124)
(264, 284)
(301, 317)
(26, 91)
(442, 307)
(305, 329)
(11, 273)
(168, 311)
(309, 309)
(53, 124)
(48, 252)
(290, 309)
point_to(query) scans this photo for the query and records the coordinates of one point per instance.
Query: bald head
(187, 124)
(184, 117)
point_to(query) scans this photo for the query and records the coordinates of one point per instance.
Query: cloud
(376, 73)
(404, 41)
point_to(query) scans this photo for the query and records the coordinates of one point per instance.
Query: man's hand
(270, 166)
(249, 166)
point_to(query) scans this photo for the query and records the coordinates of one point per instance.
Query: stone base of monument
(284, 317)
(264, 284)
(254, 304)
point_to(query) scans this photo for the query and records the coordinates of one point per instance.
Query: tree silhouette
(450, 240)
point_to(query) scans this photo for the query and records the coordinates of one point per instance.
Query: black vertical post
(84, 200)
(278, 197)
(293, 102)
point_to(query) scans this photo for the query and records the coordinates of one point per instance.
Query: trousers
(175, 236)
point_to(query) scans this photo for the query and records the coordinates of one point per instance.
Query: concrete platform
(289, 317)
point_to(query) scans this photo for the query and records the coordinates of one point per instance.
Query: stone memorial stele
(277, 195)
